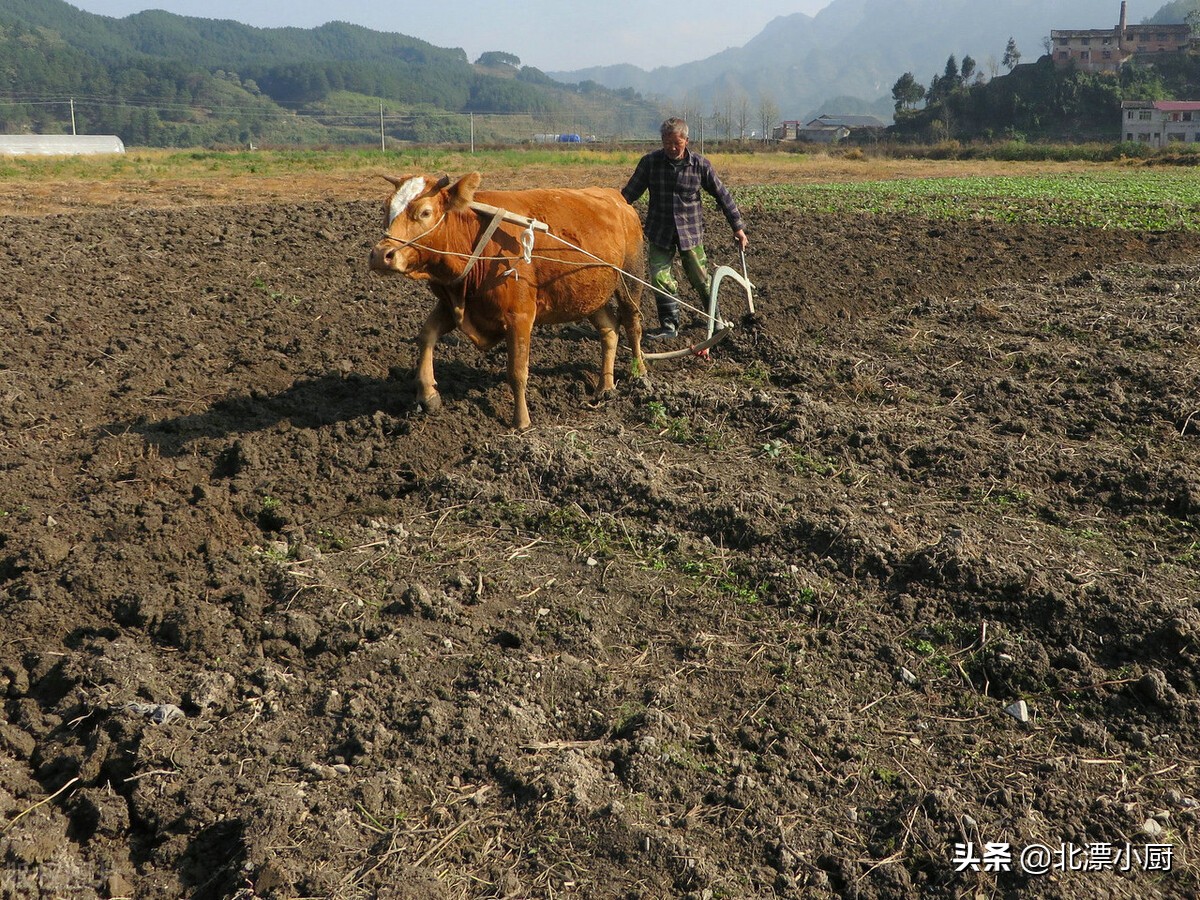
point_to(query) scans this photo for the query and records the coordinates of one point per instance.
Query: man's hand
(742, 240)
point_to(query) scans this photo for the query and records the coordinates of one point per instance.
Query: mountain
(159, 79)
(1174, 12)
(856, 49)
(156, 78)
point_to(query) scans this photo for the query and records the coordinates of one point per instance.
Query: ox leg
(629, 310)
(606, 324)
(519, 333)
(439, 321)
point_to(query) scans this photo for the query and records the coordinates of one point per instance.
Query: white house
(1160, 122)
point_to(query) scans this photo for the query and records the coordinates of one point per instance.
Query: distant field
(1084, 194)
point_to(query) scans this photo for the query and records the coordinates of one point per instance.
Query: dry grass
(173, 179)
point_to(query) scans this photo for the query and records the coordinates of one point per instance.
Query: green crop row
(1116, 198)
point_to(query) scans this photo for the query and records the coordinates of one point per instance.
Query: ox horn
(443, 182)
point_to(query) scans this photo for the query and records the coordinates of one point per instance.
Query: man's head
(674, 133)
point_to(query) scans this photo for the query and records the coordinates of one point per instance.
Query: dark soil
(750, 630)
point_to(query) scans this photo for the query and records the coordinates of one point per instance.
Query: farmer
(674, 176)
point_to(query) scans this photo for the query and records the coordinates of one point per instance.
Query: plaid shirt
(675, 208)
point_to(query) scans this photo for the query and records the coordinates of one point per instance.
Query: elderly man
(675, 176)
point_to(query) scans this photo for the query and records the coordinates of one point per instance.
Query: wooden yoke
(510, 217)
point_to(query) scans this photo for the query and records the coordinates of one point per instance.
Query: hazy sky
(553, 35)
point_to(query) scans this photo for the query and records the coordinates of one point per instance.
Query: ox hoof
(430, 404)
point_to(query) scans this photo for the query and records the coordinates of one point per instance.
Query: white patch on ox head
(405, 194)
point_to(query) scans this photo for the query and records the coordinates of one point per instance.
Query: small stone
(906, 676)
(1152, 828)
(1018, 710)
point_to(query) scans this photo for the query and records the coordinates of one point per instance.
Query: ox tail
(629, 300)
(633, 274)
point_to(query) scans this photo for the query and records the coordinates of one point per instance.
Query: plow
(718, 329)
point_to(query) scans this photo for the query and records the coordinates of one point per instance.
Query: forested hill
(156, 78)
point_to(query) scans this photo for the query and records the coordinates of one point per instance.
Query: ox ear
(463, 191)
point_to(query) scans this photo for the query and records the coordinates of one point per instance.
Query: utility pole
(472, 134)
(382, 140)
(73, 116)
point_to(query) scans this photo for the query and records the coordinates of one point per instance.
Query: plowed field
(766, 626)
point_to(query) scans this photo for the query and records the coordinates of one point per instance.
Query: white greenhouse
(59, 144)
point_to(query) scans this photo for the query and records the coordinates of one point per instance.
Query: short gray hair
(673, 125)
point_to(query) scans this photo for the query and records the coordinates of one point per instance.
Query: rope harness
(498, 215)
(484, 237)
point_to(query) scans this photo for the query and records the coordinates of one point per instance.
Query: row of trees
(908, 92)
(734, 116)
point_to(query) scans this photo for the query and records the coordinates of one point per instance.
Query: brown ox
(484, 285)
